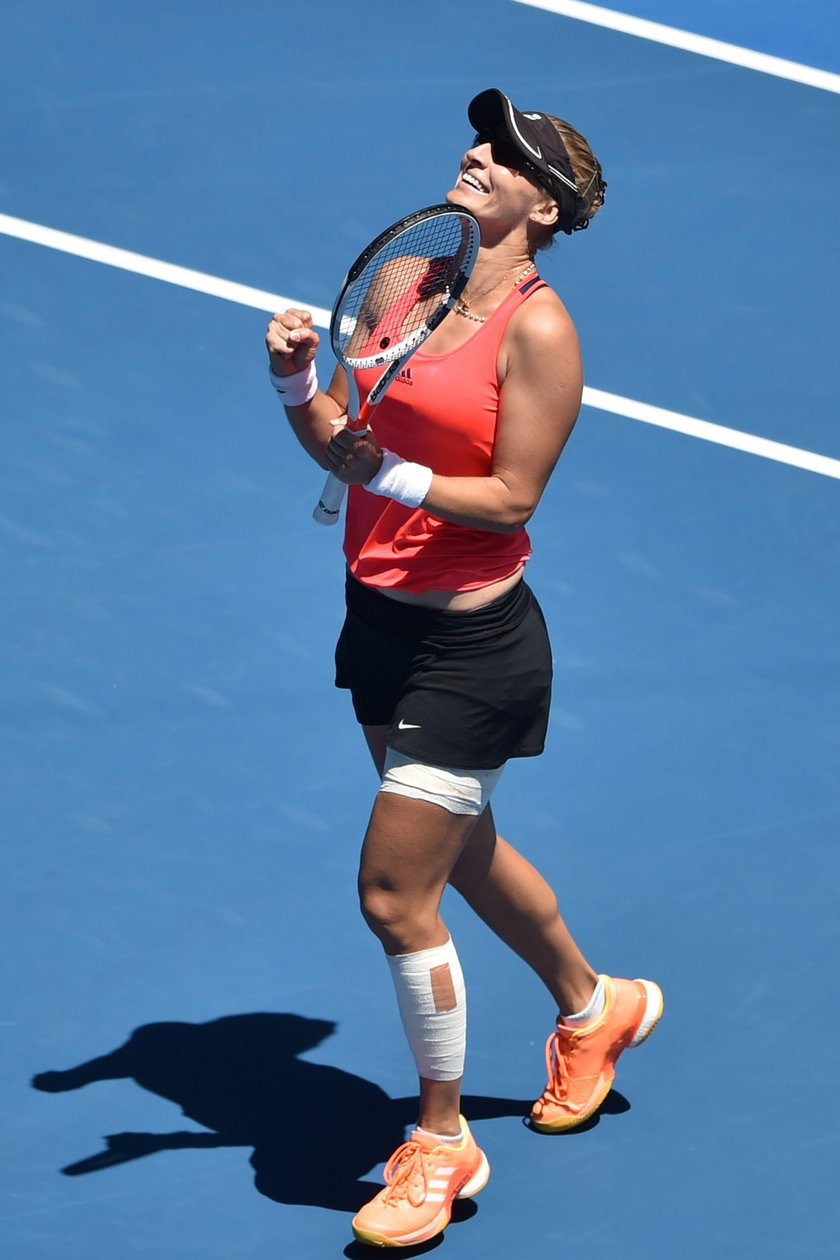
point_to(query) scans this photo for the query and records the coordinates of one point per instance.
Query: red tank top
(441, 411)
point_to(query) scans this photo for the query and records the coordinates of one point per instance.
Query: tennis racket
(394, 296)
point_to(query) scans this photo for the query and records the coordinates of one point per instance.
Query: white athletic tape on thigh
(433, 1007)
(458, 791)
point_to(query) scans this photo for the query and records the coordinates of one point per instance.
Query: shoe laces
(559, 1049)
(405, 1174)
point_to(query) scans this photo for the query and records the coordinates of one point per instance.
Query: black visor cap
(538, 143)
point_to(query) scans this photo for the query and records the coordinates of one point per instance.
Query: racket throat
(352, 397)
(357, 412)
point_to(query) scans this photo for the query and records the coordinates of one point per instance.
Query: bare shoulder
(541, 327)
(544, 316)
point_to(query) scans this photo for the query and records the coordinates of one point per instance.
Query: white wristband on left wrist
(401, 480)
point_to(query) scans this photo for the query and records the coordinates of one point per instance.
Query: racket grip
(332, 496)
(329, 505)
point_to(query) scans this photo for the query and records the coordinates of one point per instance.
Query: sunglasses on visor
(507, 154)
(504, 153)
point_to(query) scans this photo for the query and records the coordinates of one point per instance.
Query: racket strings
(404, 304)
(402, 287)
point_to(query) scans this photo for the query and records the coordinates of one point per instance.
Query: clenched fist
(291, 341)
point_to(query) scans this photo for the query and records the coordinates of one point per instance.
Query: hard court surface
(183, 789)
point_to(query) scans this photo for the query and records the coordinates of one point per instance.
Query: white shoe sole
(654, 1006)
(478, 1180)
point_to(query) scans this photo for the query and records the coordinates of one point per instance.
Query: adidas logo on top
(403, 377)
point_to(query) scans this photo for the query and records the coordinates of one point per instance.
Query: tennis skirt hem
(463, 689)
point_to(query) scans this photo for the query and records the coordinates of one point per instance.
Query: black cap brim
(536, 139)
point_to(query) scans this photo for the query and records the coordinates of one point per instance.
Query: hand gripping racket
(395, 295)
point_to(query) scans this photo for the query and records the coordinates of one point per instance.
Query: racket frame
(332, 496)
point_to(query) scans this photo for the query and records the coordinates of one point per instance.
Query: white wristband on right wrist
(298, 387)
(401, 480)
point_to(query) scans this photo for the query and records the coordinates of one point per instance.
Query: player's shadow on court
(316, 1131)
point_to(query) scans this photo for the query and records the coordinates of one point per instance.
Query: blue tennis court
(219, 1065)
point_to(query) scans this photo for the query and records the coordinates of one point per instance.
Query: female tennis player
(444, 648)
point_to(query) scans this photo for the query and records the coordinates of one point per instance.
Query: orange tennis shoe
(422, 1180)
(581, 1061)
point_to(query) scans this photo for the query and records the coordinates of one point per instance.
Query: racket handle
(329, 505)
(328, 508)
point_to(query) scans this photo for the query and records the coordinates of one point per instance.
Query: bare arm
(539, 404)
(292, 343)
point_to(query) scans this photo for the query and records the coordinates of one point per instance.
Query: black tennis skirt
(463, 689)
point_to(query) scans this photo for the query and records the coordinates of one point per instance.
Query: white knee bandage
(433, 1007)
(458, 791)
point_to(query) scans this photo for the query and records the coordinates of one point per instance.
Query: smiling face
(497, 193)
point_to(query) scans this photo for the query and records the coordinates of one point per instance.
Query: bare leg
(408, 854)
(514, 900)
(503, 888)
(516, 903)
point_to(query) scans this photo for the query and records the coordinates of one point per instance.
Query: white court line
(142, 265)
(709, 432)
(596, 15)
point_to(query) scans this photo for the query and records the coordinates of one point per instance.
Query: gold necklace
(462, 307)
